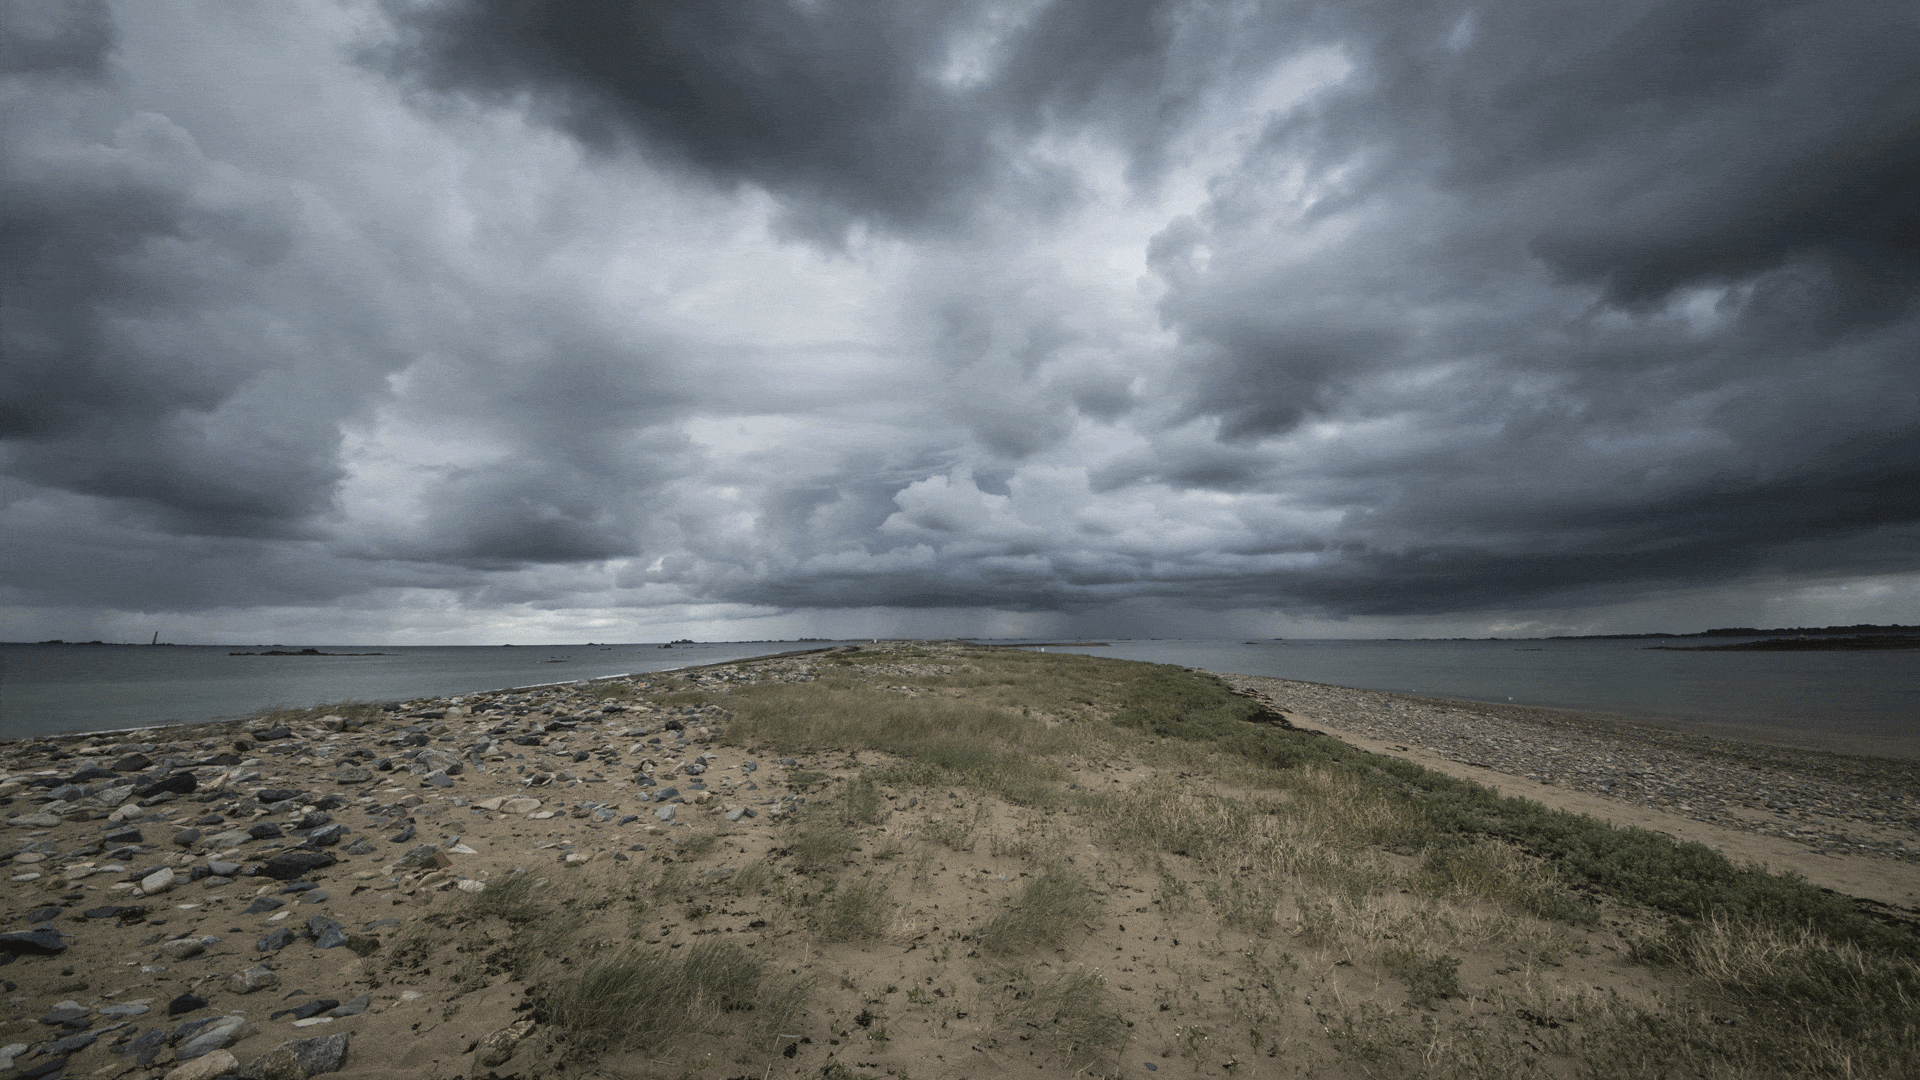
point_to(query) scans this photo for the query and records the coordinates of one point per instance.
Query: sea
(1854, 702)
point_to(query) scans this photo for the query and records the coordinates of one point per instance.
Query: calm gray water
(60, 688)
(1870, 701)
(1864, 701)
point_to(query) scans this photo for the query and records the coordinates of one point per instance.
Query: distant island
(305, 652)
(1806, 644)
(1748, 631)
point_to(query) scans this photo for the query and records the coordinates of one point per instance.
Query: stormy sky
(566, 320)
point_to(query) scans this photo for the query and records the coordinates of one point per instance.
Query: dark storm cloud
(850, 111)
(1045, 307)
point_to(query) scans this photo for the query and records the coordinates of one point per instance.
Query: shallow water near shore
(50, 689)
(1850, 702)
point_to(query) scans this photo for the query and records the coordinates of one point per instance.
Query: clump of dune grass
(851, 911)
(819, 844)
(644, 999)
(1071, 1014)
(1049, 908)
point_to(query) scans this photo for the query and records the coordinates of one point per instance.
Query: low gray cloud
(530, 316)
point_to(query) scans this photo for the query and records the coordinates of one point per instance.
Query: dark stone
(132, 763)
(276, 941)
(265, 830)
(328, 835)
(317, 896)
(90, 774)
(40, 1070)
(124, 836)
(209, 819)
(327, 934)
(322, 1055)
(274, 795)
(45, 914)
(152, 1040)
(306, 1009)
(299, 887)
(359, 847)
(313, 820)
(331, 802)
(404, 835)
(263, 904)
(123, 912)
(290, 865)
(32, 943)
(185, 1003)
(180, 783)
(272, 734)
(63, 1047)
(186, 837)
(58, 1016)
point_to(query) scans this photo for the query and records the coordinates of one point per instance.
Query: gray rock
(359, 847)
(424, 857)
(327, 933)
(352, 1008)
(63, 1012)
(157, 882)
(275, 941)
(308, 1057)
(122, 1012)
(328, 835)
(209, 1066)
(182, 948)
(257, 977)
(222, 868)
(186, 837)
(495, 1049)
(352, 774)
(289, 865)
(665, 813)
(215, 1036)
(31, 943)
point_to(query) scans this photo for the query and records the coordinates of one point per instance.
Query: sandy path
(1410, 728)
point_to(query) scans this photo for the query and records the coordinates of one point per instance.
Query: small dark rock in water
(32, 943)
(185, 1003)
(289, 865)
(180, 783)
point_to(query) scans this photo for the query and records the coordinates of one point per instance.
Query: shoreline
(1844, 821)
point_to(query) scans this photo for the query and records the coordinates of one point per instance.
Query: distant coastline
(1807, 644)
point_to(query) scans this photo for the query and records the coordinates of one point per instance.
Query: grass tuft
(1045, 913)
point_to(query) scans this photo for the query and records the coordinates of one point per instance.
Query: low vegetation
(1002, 818)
